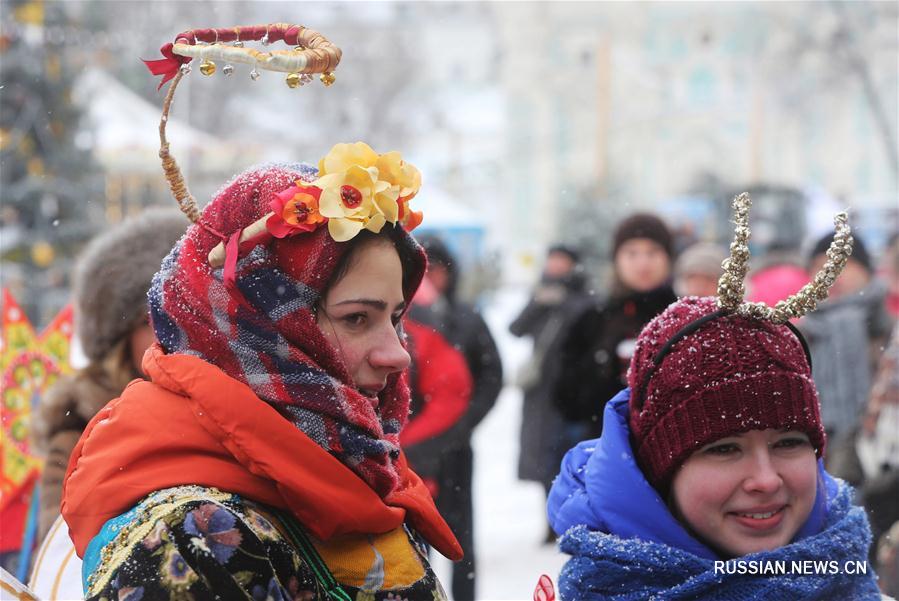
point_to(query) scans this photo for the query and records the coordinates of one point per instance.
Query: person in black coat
(560, 295)
(449, 456)
(599, 344)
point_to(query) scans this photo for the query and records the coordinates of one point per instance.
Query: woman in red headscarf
(262, 459)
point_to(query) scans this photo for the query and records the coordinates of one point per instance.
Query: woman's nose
(388, 353)
(763, 475)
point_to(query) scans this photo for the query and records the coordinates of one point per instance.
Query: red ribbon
(168, 66)
(229, 276)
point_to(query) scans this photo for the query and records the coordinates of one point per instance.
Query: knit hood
(256, 320)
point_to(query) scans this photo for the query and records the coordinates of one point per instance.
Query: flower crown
(356, 189)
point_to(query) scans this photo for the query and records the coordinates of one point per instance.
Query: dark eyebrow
(371, 302)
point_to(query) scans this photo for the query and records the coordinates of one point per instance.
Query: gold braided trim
(149, 511)
(731, 287)
(173, 174)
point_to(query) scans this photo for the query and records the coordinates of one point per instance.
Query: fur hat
(113, 275)
(731, 375)
(643, 225)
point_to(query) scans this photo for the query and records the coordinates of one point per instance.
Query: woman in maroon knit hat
(707, 481)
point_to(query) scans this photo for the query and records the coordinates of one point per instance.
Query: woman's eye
(722, 449)
(354, 319)
(791, 443)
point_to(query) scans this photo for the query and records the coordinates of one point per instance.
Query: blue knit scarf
(625, 543)
(605, 566)
(650, 556)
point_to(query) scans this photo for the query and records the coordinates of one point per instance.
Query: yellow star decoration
(29, 365)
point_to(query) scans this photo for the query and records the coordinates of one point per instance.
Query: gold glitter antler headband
(731, 289)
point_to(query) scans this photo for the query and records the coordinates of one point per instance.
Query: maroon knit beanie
(733, 374)
(643, 225)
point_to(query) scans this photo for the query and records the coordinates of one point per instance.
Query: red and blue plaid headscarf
(262, 330)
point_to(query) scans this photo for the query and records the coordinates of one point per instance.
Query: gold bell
(293, 80)
(207, 67)
(299, 48)
(327, 78)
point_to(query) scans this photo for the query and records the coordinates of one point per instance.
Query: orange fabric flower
(295, 210)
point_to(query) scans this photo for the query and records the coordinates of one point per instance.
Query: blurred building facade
(622, 106)
(549, 120)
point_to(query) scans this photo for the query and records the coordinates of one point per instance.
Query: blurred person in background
(846, 336)
(889, 272)
(598, 347)
(440, 384)
(111, 281)
(888, 562)
(448, 457)
(698, 268)
(877, 445)
(559, 296)
(778, 274)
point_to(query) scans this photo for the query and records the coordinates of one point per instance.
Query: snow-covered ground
(510, 522)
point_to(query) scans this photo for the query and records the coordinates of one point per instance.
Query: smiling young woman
(712, 453)
(748, 492)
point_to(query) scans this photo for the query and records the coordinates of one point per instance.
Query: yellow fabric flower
(343, 156)
(392, 168)
(364, 190)
(356, 199)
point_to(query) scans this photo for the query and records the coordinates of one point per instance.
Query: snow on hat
(708, 368)
(732, 375)
(643, 225)
(113, 274)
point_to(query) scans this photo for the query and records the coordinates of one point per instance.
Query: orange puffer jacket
(193, 424)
